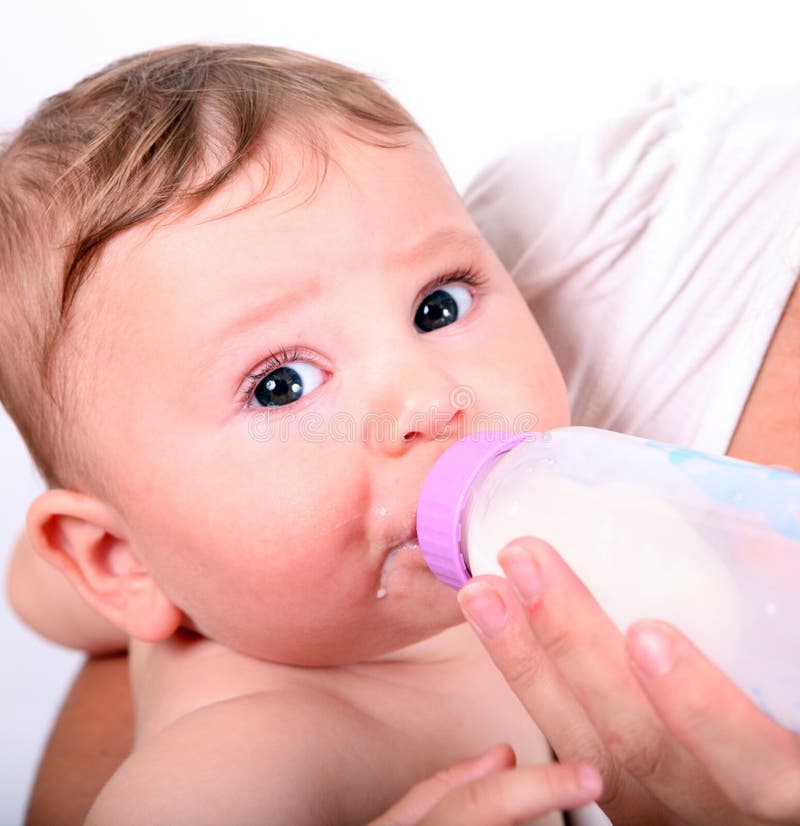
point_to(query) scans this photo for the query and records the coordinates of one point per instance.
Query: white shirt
(657, 253)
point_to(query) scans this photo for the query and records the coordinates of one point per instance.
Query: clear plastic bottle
(708, 543)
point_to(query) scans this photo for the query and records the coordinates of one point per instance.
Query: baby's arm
(253, 759)
(45, 601)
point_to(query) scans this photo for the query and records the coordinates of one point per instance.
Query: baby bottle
(707, 543)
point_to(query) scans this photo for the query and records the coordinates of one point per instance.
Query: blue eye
(442, 307)
(287, 384)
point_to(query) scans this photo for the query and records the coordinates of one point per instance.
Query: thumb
(422, 797)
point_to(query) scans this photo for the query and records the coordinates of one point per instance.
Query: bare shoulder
(268, 757)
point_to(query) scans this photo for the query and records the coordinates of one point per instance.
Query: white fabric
(657, 254)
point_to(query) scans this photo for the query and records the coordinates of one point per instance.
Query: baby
(248, 311)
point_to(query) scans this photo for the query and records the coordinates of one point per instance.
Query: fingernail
(484, 608)
(521, 568)
(652, 651)
(589, 780)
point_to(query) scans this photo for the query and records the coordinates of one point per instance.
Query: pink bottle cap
(444, 494)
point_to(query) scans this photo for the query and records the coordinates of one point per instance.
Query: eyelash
(468, 275)
(272, 362)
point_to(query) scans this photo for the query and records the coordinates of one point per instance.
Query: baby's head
(248, 311)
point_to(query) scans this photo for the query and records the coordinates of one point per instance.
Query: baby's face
(277, 383)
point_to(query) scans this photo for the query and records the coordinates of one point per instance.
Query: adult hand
(490, 791)
(674, 740)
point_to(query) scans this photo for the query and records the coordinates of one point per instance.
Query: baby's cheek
(537, 375)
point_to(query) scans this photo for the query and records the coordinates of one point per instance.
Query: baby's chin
(410, 599)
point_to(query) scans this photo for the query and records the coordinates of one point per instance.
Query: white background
(479, 77)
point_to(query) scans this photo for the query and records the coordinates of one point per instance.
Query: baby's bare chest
(404, 721)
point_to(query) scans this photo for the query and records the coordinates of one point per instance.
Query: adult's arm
(92, 736)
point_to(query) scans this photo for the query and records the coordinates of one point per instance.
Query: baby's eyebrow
(453, 237)
(259, 313)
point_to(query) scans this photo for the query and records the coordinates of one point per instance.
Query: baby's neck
(172, 677)
(446, 646)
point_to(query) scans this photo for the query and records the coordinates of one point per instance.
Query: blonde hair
(149, 134)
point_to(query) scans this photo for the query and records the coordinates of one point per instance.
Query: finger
(588, 650)
(513, 796)
(753, 759)
(425, 795)
(491, 607)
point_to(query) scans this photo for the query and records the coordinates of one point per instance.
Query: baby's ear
(87, 541)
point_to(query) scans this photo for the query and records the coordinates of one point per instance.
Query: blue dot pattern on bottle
(771, 493)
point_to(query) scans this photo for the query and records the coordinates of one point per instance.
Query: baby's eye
(442, 307)
(287, 384)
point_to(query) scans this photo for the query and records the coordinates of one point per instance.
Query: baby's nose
(419, 406)
(426, 420)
